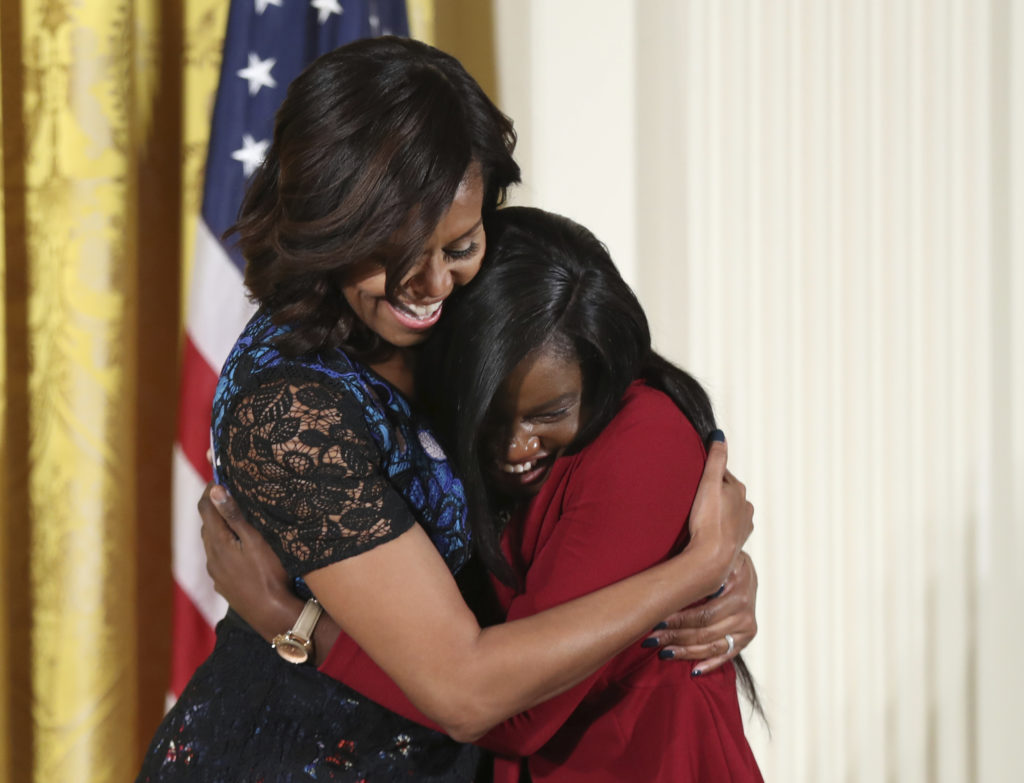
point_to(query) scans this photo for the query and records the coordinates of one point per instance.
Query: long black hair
(545, 281)
(370, 146)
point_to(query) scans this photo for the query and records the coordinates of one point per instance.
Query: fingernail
(661, 626)
(695, 673)
(666, 655)
(649, 642)
(718, 435)
(218, 494)
(718, 592)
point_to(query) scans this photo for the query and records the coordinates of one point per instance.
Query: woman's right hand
(721, 518)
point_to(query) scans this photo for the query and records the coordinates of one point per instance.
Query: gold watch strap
(306, 622)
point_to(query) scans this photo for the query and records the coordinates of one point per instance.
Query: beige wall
(819, 202)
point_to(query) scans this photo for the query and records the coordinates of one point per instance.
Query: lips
(526, 472)
(521, 467)
(414, 316)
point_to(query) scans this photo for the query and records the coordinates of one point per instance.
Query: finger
(701, 616)
(715, 465)
(745, 567)
(231, 512)
(703, 638)
(718, 648)
(705, 653)
(703, 668)
(214, 524)
(731, 602)
(743, 563)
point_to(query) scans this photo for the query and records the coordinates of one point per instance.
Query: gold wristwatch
(296, 645)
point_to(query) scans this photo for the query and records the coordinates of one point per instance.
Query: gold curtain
(104, 120)
(105, 111)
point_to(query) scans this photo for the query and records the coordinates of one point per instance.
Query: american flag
(267, 44)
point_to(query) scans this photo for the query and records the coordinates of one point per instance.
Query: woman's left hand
(699, 633)
(243, 567)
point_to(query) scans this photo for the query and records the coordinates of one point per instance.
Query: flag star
(326, 8)
(258, 73)
(261, 5)
(251, 154)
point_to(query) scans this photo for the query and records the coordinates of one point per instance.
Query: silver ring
(731, 642)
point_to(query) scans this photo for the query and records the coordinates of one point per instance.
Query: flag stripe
(283, 39)
(188, 622)
(217, 301)
(189, 566)
(199, 381)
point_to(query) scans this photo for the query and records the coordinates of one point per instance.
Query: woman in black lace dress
(365, 215)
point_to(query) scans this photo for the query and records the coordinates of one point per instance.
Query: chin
(515, 490)
(405, 339)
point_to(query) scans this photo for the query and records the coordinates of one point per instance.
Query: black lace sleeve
(300, 461)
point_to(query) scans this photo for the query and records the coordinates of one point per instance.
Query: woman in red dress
(602, 449)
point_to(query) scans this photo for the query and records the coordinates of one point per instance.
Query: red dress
(615, 508)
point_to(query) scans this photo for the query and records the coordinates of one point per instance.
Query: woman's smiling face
(451, 258)
(536, 416)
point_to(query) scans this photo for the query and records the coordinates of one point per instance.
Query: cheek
(567, 431)
(370, 287)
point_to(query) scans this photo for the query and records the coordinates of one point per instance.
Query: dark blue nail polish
(649, 642)
(718, 435)
(718, 592)
(695, 673)
(661, 626)
(666, 655)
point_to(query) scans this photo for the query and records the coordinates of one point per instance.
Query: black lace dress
(328, 461)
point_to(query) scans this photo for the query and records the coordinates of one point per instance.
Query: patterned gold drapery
(105, 110)
(104, 119)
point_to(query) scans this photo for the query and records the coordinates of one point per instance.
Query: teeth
(422, 311)
(522, 467)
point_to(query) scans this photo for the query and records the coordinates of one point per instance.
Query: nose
(431, 280)
(522, 446)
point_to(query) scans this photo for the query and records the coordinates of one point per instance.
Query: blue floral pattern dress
(327, 460)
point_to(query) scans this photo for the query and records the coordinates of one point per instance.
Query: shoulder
(259, 385)
(256, 361)
(647, 425)
(648, 448)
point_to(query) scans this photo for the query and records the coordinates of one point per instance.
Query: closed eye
(551, 416)
(458, 255)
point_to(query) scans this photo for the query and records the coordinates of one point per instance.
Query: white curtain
(819, 202)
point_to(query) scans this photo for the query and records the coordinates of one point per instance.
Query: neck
(397, 370)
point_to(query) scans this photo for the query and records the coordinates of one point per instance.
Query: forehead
(465, 211)
(541, 378)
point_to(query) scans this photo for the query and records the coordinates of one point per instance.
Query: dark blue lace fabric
(327, 460)
(326, 457)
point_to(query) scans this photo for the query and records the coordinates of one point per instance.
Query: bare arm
(303, 465)
(248, 574)
(468, 679)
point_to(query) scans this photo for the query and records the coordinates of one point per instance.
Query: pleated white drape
(820, 203)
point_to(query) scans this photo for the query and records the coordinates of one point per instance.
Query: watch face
(290, 650)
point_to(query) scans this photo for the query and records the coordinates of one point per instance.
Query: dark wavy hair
(546, 281)
(370, 145)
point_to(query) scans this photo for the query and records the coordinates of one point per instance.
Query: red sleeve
(347, 663)
(625, 509)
